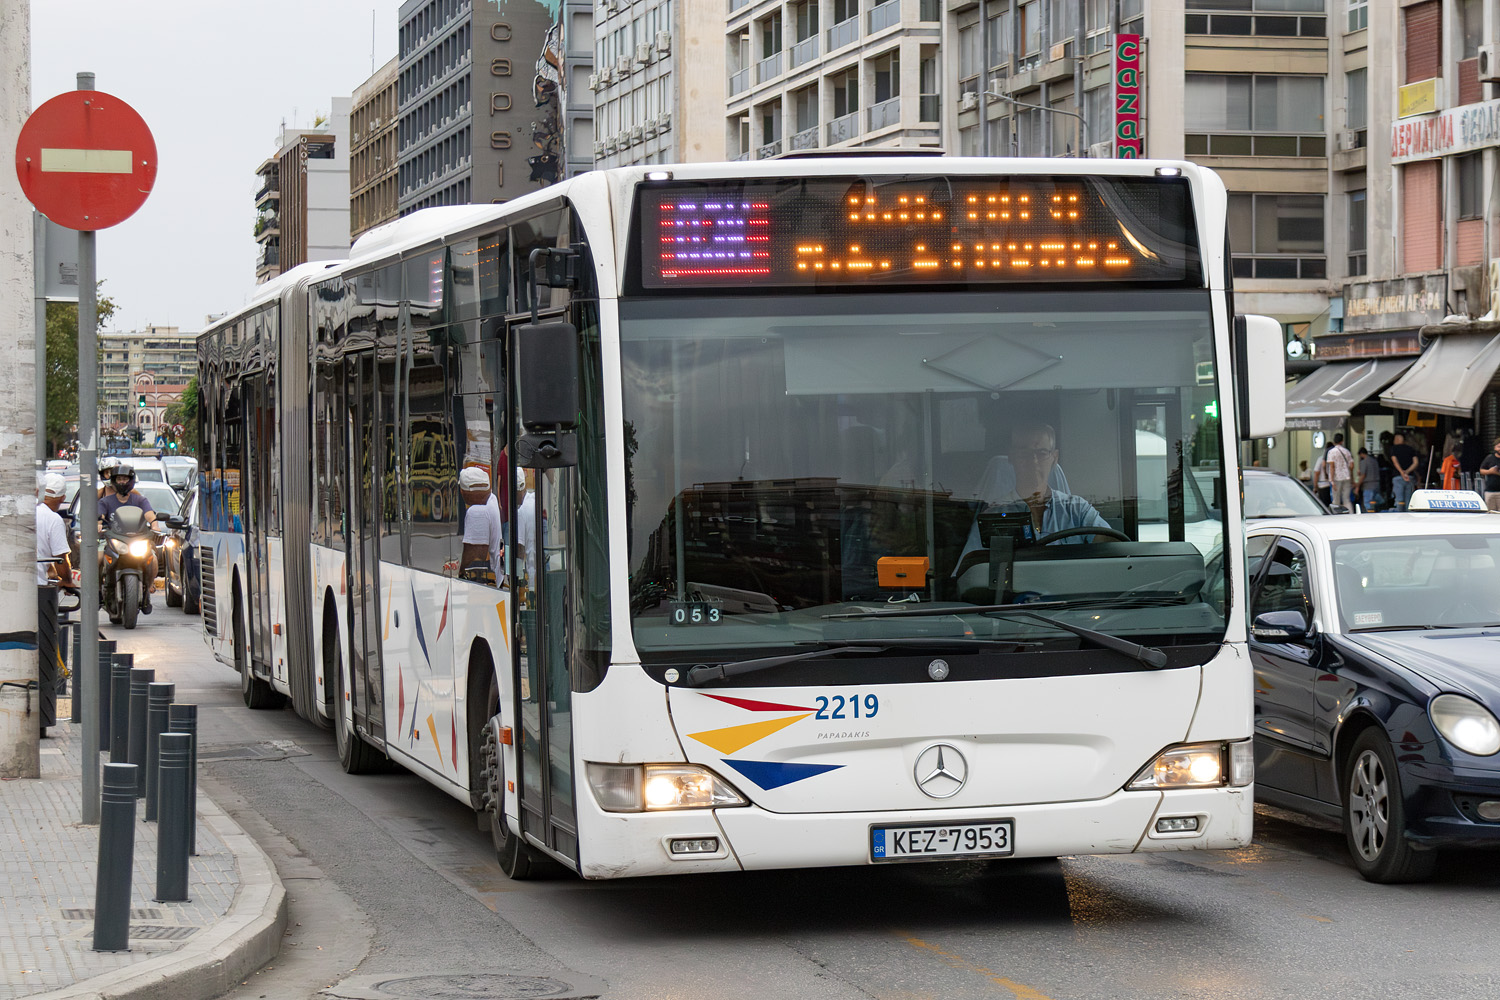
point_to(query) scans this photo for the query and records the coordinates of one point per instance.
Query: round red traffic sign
(86, 160)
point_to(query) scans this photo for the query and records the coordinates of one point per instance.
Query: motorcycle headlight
(118, 546)
(1466, 724)
(139, 548)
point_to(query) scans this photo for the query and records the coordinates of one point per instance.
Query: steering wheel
(1087, 529)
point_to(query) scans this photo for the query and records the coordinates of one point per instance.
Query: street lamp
(1082, 121)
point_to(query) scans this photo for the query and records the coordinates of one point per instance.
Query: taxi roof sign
(1450, 501)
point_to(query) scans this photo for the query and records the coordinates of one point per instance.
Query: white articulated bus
(846, 511)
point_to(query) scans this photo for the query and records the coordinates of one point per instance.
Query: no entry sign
(86, 160)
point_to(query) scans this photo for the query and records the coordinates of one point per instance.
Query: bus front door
(364, 540)
(548, 810)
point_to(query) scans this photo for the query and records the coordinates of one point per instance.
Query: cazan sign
(1130, 142)
(1457, 130)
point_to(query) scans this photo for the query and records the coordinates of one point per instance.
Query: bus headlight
(1466, 724)
(654, 787)
(139, 548)
(1198, 765)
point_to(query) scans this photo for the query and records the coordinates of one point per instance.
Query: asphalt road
(390, 881)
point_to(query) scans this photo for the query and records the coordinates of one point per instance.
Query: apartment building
(372, 152)
(658, 82)
(492, 99)
(831, 74)
(166, 354)
(302, 203)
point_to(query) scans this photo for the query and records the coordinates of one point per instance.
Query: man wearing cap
(484, 540)
(52, 571)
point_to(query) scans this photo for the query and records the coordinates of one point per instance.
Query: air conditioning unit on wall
(1102, 150)
(1489, 64)
(1348, 139)
(968, 102)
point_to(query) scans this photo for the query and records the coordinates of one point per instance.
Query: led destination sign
(915, 230)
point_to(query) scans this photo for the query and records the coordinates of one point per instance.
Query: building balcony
(739, 82)
(267, 193)
(803, 51)
(769, 150)
(768, 69)
(884, 15)
(843, 33)
(886, 113)
(843, 129)
(806, 139)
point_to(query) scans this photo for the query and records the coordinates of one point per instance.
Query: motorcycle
(127, 553)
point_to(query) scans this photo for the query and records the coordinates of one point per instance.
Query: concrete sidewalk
(231, 926)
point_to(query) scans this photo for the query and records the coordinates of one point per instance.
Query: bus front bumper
(742, 839)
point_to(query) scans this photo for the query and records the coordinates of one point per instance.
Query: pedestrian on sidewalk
(52, 571)
(1490, 470)
(1339, 469)
(1367, 481)
(1404, 462)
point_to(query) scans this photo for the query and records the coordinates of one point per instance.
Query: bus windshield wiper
(704, 673)
(1148, 656)
(976, 609)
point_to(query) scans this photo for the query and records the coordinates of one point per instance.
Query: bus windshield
(799, 466)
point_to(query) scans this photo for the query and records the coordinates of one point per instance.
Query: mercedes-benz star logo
(941, 770)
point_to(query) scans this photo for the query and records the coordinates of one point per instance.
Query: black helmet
(124, 469)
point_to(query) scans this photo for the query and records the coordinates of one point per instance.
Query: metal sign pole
(39, 258)
(87, 676)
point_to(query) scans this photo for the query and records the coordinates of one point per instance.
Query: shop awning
(1449, 376)
(1329, 393)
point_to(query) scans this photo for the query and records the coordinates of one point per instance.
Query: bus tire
(516, 858)
(257, 694)
(355, 755)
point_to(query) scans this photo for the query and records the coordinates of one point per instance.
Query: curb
(221, 956)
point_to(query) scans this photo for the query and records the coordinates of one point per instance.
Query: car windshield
(1278, 496)
(794, 458)
(1417, 582)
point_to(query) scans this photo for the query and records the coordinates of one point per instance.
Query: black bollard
(119, 707)
(140, 688)
(106, 658)
(184, 719)
(116, 858)
(64, 633)
(173, 818)
(74, 676)
(158, 699)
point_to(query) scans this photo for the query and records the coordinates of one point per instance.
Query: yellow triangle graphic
(736, 738)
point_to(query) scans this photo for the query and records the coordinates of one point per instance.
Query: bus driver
(1033, 453)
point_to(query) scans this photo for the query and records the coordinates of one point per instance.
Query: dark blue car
(183, 578)
(1375, 641)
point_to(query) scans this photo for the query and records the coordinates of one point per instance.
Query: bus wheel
(355, 755)
(257, 694)
(515, 857)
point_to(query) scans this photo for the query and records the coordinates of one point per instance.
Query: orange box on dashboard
(907, 572)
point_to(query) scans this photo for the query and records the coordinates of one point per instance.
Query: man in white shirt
(52, 535)
(484, 540)
(52, 570)
(525, 517)
(1339, 469)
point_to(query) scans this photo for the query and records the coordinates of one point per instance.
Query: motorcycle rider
(107, 466)
(123, 494)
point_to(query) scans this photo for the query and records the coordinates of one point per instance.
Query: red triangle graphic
(444, 622)
(758, 706)
(453, 722)
(400, 694)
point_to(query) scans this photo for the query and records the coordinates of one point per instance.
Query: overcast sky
(214, 80)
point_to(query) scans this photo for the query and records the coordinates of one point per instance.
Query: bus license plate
(991, 838)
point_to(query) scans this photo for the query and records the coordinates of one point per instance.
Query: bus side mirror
(1260, 376)
(547, 363)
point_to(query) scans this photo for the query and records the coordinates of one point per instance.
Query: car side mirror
(1280, 627)
(173, 521)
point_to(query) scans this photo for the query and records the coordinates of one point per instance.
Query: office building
(372, 152)
(302, 205)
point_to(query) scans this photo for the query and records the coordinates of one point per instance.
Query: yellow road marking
(1019, 990)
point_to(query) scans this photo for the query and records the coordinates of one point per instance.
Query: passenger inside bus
(484, 544)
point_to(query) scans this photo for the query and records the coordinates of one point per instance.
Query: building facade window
(1468, 177)
(1357, 13)
(1357, 103)
(1275, 18)
(1002, 45)
(970, 59)
(1358, 234)
(1029, 30)
(1244, 115)
(1277, 235)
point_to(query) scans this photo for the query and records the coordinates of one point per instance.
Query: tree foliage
(186, 414)
(62, 366)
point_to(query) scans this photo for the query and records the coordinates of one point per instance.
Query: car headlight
(654, 787)
(1199, 765)
(139, 548)
(1466, 724)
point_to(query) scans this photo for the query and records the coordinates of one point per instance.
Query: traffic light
(140, 400)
